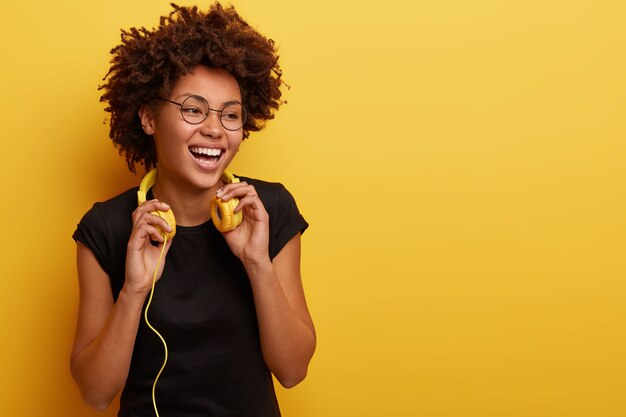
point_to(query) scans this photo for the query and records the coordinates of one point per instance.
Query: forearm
(101, 368)
(287, 339)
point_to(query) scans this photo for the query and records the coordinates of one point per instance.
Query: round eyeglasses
(195, 110)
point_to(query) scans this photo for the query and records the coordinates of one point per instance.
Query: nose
(212, 126)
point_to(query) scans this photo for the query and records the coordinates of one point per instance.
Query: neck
(191, 206)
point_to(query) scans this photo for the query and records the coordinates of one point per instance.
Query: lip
(203, 164)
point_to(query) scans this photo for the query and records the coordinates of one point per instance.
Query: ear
(147, 119)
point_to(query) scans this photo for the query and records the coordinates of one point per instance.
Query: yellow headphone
(222, 212)
(148, 181)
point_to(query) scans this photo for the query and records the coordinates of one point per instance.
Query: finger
(154, 217)
(143, 233)
(159, 223)
(236, 189)
(154, 205)
(157, 219)
(251, 201)
(148, 206)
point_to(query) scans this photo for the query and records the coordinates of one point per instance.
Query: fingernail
(218, 192)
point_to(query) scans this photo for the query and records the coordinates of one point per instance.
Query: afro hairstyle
(148, 63)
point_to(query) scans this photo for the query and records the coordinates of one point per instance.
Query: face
(194, 155)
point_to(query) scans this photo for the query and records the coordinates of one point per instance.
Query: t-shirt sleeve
(285, 220)
(91, 232)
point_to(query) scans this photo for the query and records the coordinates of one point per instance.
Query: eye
(191, 110)
(195, 108)
(231, 116)
(232, 112)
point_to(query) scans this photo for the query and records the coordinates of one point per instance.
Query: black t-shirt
(204, 309)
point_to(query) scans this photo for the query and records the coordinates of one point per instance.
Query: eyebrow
(186, 95)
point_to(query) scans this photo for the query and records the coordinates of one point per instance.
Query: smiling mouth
(206, 154)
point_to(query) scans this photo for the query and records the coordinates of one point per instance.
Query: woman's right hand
(141, 255)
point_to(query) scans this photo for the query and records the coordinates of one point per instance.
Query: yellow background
(461, 163)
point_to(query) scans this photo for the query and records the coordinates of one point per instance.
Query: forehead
(214, 84)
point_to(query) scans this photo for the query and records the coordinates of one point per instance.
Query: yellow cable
(145, 315)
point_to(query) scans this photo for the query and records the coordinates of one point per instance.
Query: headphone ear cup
(223, 214)
(168, 216)
(148, 181)
(237, 217)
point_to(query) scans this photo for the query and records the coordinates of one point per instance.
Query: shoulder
(110, 217)
(105, 229)
(121, 203)
(285, 217)
(264, 187)
(274, 195)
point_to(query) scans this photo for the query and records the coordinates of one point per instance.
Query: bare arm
(106, 331)
(287, 332)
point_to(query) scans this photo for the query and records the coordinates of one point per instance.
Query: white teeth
(206, 151)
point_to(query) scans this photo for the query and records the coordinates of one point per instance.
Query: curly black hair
(148, 63)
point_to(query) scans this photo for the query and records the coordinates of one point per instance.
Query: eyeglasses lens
(195, 109)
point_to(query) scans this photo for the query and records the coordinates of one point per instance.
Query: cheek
(234, 141)
(172, 134)
(169, 143)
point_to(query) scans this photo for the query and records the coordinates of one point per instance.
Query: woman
(229, 305)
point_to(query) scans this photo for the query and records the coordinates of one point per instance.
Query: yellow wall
(462, 164)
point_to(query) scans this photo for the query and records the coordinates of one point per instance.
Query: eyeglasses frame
(206, 115)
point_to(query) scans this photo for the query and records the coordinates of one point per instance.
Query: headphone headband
(228, 177)
(150, 179)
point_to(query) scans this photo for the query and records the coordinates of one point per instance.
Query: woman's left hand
(249, 241)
